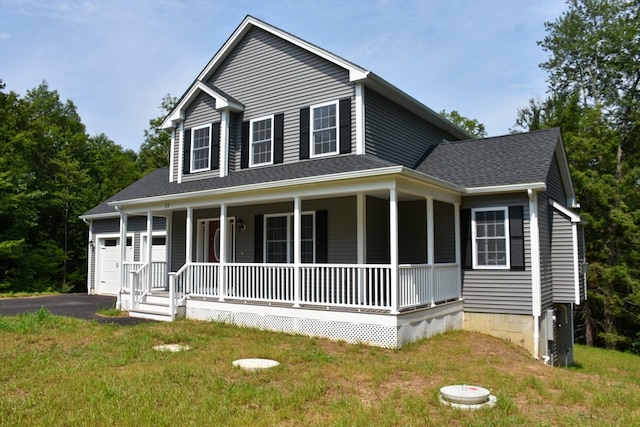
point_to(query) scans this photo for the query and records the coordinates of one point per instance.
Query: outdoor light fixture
(241, 225)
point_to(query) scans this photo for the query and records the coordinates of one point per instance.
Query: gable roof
(356, 74)
(482, 165)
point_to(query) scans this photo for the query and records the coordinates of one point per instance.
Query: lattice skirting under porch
(385, 330)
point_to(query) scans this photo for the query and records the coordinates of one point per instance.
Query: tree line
(51, 171)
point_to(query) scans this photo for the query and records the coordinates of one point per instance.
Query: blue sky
(117, 59)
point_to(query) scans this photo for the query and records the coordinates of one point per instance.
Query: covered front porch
(377, 258)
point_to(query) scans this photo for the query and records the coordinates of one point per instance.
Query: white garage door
(158, 248)
(108, 265)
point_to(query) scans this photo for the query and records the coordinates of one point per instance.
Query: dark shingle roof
(157, 182)
(503, 160)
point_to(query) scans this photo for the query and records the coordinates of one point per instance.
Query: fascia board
(388, 90)
(178, 112)
(260, 186)
(574, 217)
(355, 72)
(99, 216)
(432, 180)
(565, 172)
(506, 188)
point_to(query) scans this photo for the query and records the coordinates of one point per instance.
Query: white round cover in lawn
(255, 364)
(466, 396)
(173, 348)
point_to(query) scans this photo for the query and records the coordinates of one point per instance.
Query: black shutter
(304, 133)
(322, 246)
(345, 126)
(215, 146)
(516, 236)
(278, 138)
(465, 239)
(244, 148)
(186, 165)
(258, 226)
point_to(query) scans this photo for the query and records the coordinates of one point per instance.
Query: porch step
(155, 308)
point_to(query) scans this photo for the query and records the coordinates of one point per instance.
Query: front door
(209, 234)
(213, 239)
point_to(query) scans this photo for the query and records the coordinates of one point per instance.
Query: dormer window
(201, 148)
(261, 141)
(324, 129)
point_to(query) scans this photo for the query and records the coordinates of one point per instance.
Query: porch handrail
(427, 284)
(138, 284)
(272, 282)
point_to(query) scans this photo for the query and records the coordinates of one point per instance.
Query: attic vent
(445, 141)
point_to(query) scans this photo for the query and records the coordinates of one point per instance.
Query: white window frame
(312, 145)
(290, 234)
(251, 142)
(507, 239)
(192, 157)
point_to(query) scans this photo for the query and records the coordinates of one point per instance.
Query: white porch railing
(427, 284)
(352, 286)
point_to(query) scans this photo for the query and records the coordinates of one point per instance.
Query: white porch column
(149, 248)
(393, 242)
(123, 257)
(535, 270)
(297, 255)
(361, 236)
(169, 246)
(456, 216)
(431, 249)
(189, 239)
(223, 251)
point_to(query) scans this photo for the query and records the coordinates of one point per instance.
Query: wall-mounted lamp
(241, 225)
(92, 244)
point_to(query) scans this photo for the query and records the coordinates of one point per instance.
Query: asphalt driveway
(81, 306)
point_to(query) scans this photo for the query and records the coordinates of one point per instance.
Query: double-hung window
(490, 237)
(279, 238)
(261, 142)
(324, 129)
(201, 148)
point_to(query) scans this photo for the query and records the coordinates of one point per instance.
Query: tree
(594, 75)
(473, 126)
(155, 151)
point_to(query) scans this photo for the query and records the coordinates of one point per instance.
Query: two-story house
(306, 194)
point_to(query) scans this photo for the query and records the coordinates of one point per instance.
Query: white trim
(360, 131)
(534, 231)
(91, 255)
(224, 143)
(181, 153)
(172, 153)
(393, 250)
(191, 148)
(361, 209)
(474, 237)
(312, 153)
(574, 217)
(251, 142)
(177, 115)
(189, 237)
(576, 261)
(506, 188)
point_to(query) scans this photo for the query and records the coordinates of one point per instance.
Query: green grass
(63, 371)
(111, 312)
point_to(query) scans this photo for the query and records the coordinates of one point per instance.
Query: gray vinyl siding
(396, 134)
(102, 226)
(544, 229)
(377, 225)
(500, 291)
(444, 233)
(178, 240)
(562, 248)
(269, 75)
(139, 223)
(201, 112)
(555, 186)
(412, 232)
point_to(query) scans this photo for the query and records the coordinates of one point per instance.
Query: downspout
(536, 292)
(90, 255)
